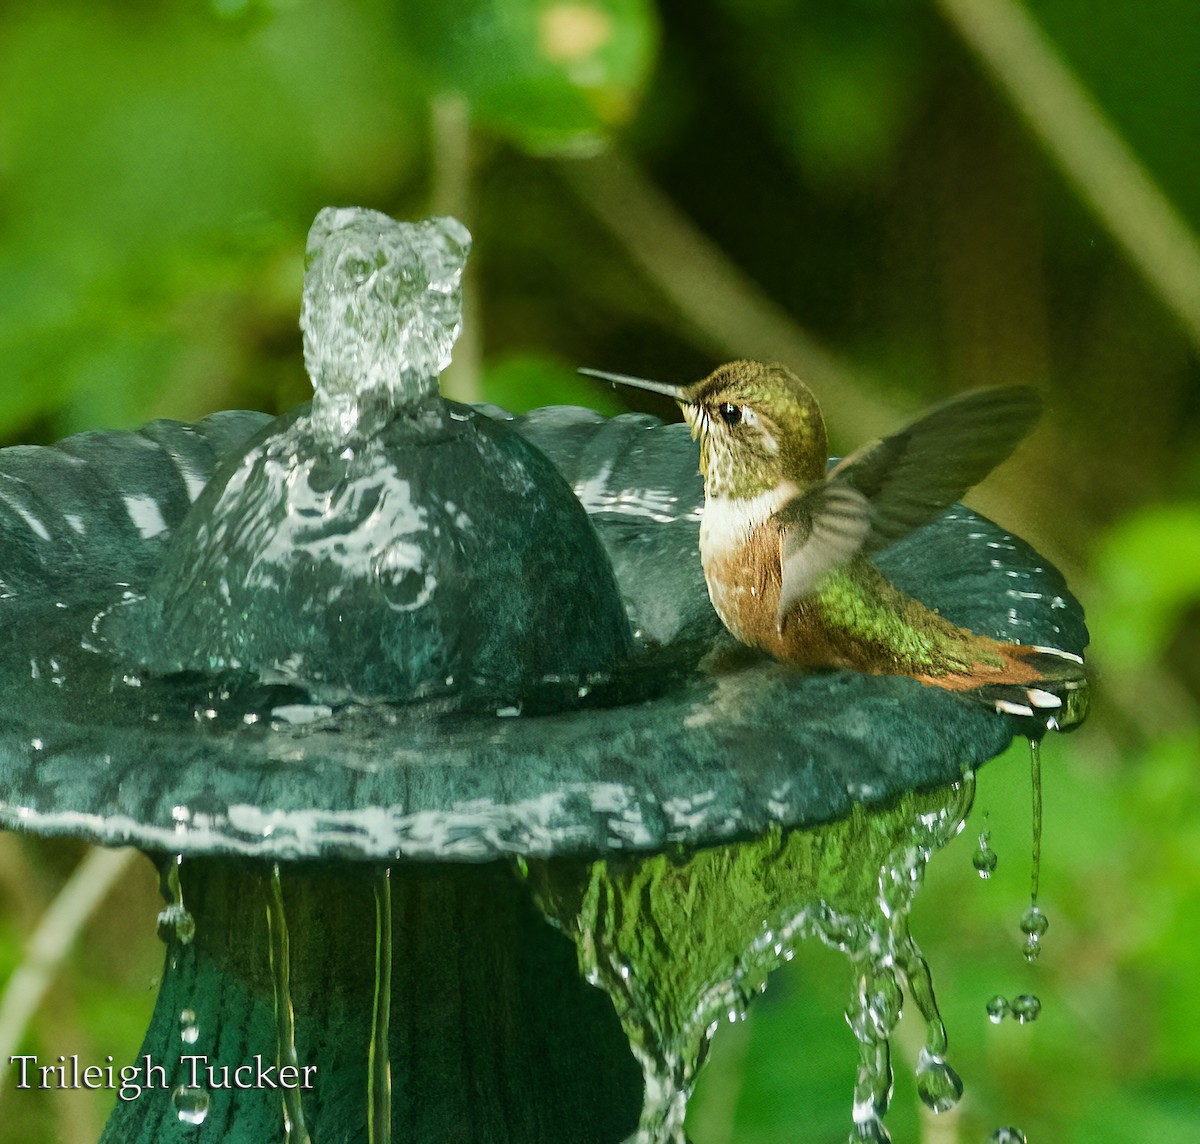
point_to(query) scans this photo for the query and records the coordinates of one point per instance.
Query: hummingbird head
(757, 425)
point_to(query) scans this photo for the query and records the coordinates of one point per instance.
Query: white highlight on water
(382, 308)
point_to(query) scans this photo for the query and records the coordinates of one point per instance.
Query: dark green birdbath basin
(472, 820)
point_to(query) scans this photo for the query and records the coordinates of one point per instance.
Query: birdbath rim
(729, 749)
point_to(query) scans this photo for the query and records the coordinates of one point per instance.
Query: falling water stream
(175, 922)
(285, 1017)
(177, 929)
(1034, 922)
(379, 1078)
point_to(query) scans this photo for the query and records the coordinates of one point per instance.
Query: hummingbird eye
(729, 413)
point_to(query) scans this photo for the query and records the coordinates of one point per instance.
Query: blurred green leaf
(787, 1071)
(550, 75)
(836, 83)
(150, 191)
(1148, 571)
(1161, 1112)
(1141, 62)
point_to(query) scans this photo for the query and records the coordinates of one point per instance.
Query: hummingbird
(786, 542)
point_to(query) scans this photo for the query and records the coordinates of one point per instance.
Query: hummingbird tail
(1056, 695)
(1044, 684)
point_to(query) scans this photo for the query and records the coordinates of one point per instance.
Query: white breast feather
(727, 521)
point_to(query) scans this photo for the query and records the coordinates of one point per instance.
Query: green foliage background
(653, 188)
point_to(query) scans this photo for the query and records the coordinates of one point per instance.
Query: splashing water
(382, 308)
(377, 544)
(681, 941)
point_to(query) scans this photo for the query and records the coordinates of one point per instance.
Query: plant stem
(450, 194)
(1087, 148)
(726, 309)
(55, 936)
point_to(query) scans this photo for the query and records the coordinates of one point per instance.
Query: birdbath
(471, 819)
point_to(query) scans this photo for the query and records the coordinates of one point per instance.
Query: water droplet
(870, 1131)
(984, 859)
(938, 1085)
(191, 1104)
(1034, 922)
(1026, 1008)
(189, 1031)
(997, 1009)
(1007, 1136)
(176, 923)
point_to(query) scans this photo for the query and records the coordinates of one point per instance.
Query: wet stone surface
(265, 769)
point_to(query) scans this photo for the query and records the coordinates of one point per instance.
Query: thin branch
(54, 938)
(450, 194)
(941, 1127)
(1087, 148)
(725, 309)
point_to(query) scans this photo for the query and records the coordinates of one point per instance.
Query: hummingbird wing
(819, 530)
(914, 475)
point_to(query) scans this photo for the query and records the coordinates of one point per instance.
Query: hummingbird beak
(663, 387)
